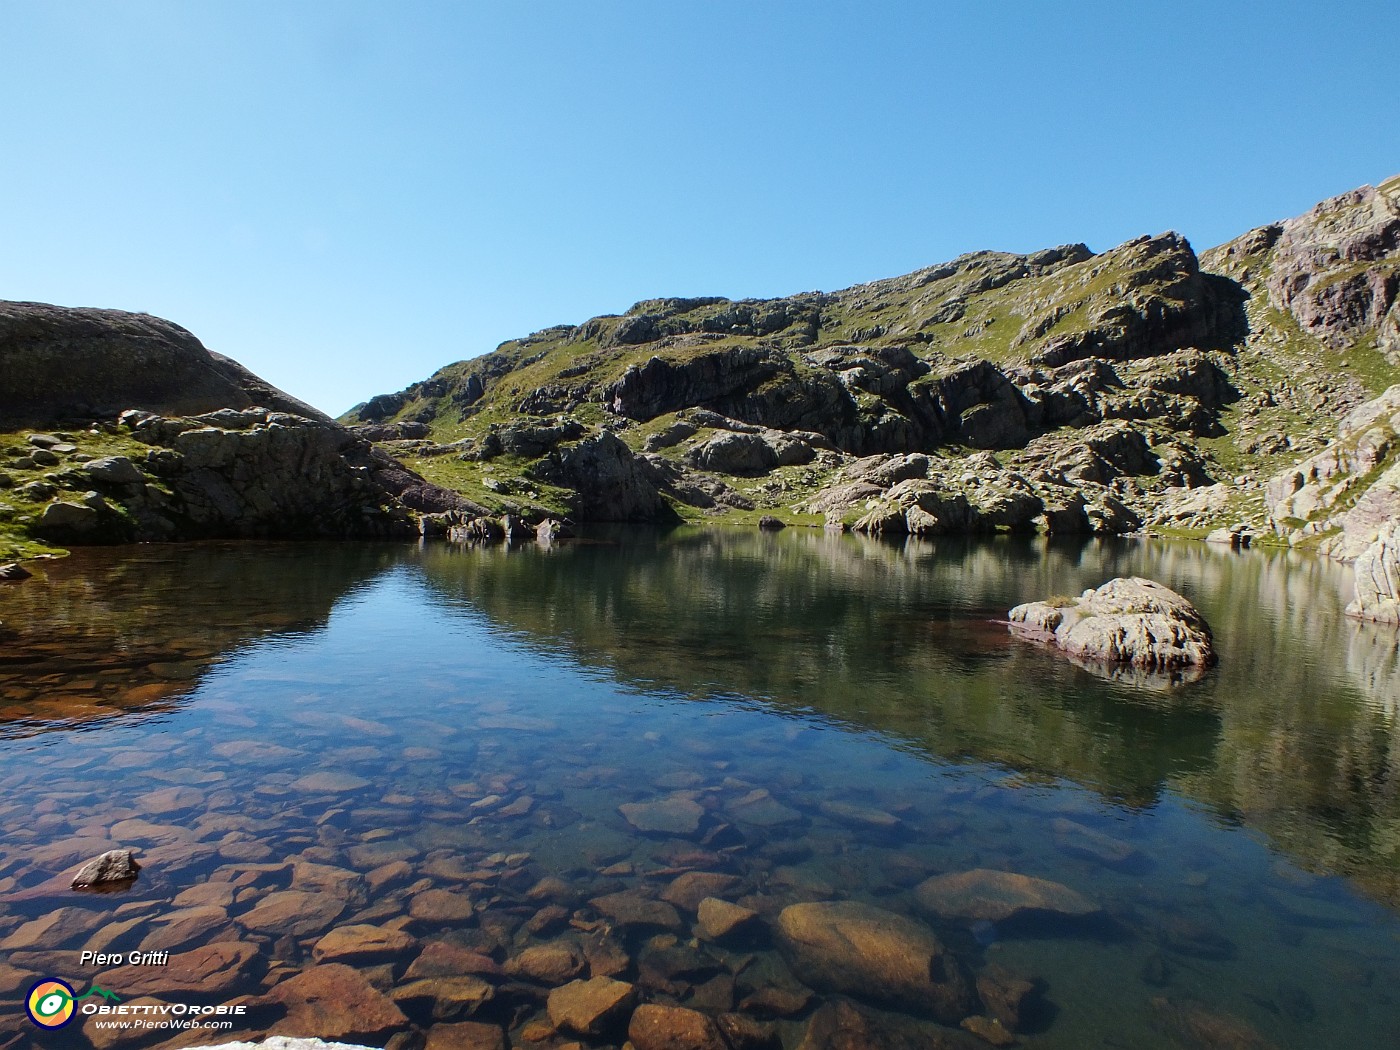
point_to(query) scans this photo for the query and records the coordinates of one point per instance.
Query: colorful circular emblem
(50, 1003)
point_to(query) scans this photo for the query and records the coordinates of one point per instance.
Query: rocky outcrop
(243, 473)
(1378, 578)
(1335, 268)
(208, 449)
(608, 481)
(1127, 620)
(60, 364)
(1343, 495)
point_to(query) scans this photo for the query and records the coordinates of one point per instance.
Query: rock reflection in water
(518, 795)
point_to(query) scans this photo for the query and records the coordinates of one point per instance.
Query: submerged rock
(114, 868)
(1128, 620)
(336, 1002)
(1194, 1025)
(212, 970)
(591, 1008)
(718, 919)
(657, 1027)
(363, 943)
(983, 895)
(668, 816)
(841, 1025)
(859, 950)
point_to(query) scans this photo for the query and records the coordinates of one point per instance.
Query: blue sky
(345, 196)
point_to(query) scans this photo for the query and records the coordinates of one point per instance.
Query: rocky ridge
(156, 438)
(1060, 391)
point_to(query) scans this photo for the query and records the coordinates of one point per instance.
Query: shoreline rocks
(1128, 620)
(1377, 585)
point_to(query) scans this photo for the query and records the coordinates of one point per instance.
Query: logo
(51, 1002)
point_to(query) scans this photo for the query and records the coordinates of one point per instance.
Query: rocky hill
(144, 434)
(1063, 390)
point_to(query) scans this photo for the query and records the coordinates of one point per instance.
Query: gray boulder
(114, 470)
(114, 866)
(1126, 621)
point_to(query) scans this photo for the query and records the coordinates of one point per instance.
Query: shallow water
(845, 714)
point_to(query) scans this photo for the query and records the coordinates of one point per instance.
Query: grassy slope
(18, 511)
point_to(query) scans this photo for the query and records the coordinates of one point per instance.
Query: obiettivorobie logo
(53, 1003)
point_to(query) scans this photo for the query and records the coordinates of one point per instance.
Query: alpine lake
(527, 766)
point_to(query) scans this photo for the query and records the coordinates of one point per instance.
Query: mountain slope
(1062, 390)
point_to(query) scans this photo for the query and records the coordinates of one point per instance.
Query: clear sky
(345, 196)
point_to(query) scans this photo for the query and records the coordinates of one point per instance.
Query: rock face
(1334, 269)
(1127, 620)
(859, 950)
(1378, 578)
(1342, 496)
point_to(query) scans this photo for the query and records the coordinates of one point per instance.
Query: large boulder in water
(1128, 620)
(856, 949)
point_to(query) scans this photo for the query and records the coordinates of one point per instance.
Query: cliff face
(1062, 390)
(155, 437)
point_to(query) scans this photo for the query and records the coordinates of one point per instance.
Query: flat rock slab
(338, 1003)
(668, 816)
(293, 912)
(441, 906)
(362, 943)
(761, 809)
(1077, 840)
(591, 1008)
(630, 908)
(466, 1035)
(444, 998)
(1129, 620)
(688, 890)
(995, 896)
(328, 783)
